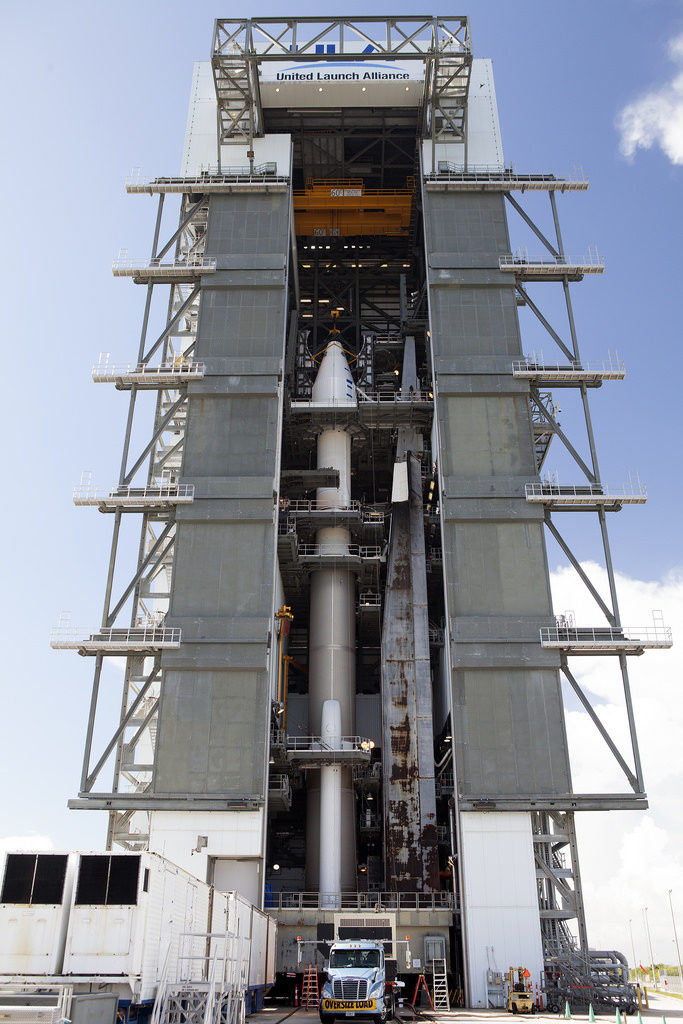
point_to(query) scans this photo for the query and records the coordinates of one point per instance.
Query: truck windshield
(354, 958)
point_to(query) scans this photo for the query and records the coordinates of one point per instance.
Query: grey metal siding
(214, 703)
(506, 698)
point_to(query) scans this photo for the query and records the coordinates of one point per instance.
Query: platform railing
(373, 398)
(446, 170)
(125, 265)
(375, 902)
(318, 743)
(210, 174)
(278, 785)
(68, 637)
(382, 397)
(185, 368)
(647, 636)
(313, 505)
(85, 494)
(305, 506)
(332, 551)
(537, 365)
(549, 491)
(590, 263)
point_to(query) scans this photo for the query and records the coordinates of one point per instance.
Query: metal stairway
(205, 987)
(440, 986)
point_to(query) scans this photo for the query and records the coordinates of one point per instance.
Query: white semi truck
(359, 982)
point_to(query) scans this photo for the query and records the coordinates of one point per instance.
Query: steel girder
(543, 413)
(558, 881)
(241, 45)
(129, 745)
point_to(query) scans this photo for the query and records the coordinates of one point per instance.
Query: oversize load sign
(342, 1005)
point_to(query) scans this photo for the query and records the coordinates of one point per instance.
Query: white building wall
(484, 144)
(235, 835)
(200, 151)
(500, 900)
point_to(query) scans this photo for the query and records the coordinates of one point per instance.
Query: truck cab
(356, 983)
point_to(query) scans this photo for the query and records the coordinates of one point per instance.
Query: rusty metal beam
(411, 852)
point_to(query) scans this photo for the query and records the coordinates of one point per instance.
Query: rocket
(331, 845)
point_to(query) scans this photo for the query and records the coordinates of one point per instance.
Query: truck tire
(326, 1018)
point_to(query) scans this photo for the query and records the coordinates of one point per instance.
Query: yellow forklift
(519, 999)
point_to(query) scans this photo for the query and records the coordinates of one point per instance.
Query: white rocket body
(330, 809)
(331, 845)
(333, 384)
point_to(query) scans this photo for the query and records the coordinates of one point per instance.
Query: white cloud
(629, 860)
(656, 118)
(34, 842)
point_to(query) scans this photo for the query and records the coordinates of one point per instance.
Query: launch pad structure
(343, 686)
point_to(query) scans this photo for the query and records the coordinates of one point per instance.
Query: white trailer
(120, 920)
(127, 911)
(247, 921)
(35, 901)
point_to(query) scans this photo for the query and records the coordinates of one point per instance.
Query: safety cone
(567, 1011)
(591, 1014)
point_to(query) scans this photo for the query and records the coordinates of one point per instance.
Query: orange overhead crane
(343, 207)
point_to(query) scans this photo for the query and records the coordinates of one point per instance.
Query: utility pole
(678, 952)
(649, 942)
(633, 949)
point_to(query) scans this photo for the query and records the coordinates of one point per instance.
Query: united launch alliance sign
(329, 82)
(326, 79)
(299, 74)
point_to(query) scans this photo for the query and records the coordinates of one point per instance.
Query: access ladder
(309, 990)
(441, 1000)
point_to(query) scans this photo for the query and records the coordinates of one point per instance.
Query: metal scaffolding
(241, 45)
(148, 485)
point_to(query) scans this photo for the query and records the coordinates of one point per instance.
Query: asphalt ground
(660, 1006)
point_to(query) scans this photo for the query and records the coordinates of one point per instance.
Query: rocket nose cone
(334, 383)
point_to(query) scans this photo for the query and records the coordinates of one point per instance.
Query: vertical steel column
(91, 721)
(132, 662)
(578, 891)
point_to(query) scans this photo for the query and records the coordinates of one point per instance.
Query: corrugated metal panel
(211, 732)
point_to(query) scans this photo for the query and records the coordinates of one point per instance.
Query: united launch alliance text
(339, 76)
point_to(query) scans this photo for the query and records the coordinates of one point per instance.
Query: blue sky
(90, 91)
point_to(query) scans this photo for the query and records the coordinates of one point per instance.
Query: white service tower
(330, 858)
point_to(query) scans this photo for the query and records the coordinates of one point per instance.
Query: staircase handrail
(211, 992)
(161, 988)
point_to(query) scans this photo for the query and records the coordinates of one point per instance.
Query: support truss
(591, 496)
(153, 471)
(241, 46)
(558, 881)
